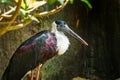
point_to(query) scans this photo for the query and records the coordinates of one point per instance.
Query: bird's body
(36, 50)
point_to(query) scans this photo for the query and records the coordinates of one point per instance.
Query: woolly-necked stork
(39, 48)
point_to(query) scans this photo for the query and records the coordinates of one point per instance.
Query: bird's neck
(62, 42)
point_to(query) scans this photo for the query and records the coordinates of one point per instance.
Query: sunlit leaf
(71, 1)
(50, 2)
(33, 18)
(61, 1)
(87, 3)
(4, 1)
(26, 4)
(22, 12)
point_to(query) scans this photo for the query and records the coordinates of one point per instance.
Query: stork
(38, 49)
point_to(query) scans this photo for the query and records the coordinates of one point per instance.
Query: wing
(29, 54)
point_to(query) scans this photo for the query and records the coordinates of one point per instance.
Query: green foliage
(26, 6)
(4, 1)
(84, 1)
(50, 2)
(23, 13)
(33, 18)
(71, 1)
(61, 1)
(87, 3)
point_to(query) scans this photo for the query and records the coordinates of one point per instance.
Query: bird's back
(34, 51)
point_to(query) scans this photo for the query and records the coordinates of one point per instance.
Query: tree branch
(46, 13)
(6, 13)
(5, 29)
(35, 6)
(28, 21)
(21, 25)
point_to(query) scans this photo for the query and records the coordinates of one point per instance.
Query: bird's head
(61, 26)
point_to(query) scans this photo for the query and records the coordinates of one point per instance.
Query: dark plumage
(30, 54)
(39, 48)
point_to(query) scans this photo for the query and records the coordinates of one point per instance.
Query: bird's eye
(61, 25)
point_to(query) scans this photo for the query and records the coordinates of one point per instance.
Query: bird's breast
(62, 43)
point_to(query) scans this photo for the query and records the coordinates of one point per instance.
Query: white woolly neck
(62, 40)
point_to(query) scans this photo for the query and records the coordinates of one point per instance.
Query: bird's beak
(76, 36)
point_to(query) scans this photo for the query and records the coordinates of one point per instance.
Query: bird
(38, 49)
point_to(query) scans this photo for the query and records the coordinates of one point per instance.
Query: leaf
(27, 4)
(50, 2)
(23, 12)
(4, 1)
(33, 18)
(71, 1)
(88, 3)
(61, 1)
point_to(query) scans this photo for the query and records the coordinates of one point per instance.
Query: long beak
(76, 36)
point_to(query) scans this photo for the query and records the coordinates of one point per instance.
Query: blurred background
(99, 26)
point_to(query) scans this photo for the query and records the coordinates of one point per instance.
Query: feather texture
(30, 54)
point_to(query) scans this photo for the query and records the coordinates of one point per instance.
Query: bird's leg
(32, 75)
(38, 72)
